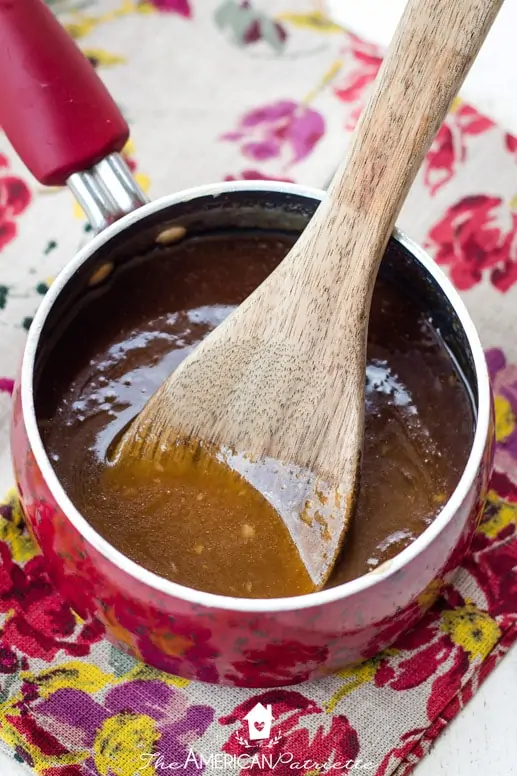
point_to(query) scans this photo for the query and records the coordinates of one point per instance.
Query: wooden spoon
(278, 388)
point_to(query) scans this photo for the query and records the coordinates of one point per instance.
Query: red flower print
(38, 622)
(333, 742)
(255, 32)
(504, 487)
(53, 529)
(254, 175)
(285, 131)
(6, 385)
(447, 641)
(63, 770)
(410, 746)
(403, 621)
(181, 7)
(14, 199)
(511, 144)
(8, 660)
(467, 691)
(450, 145)
(477, 236)
(361, 62)
(35, 735)
(493, 558)
(277, 663)
(448, 684)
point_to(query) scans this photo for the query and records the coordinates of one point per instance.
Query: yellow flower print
(317, 21)
(145, 7)
(78, 675)
(78, 211)
(326, 79)
(143, 180)
(81, 27)
(456, 105)
(503, 513)
(505, 420)
(355, 677)
(472, 629)
(82, 24)
(120, 739)
(129, 149)
(13, 530)
(142, 671)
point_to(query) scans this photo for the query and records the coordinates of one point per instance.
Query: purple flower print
(284, 130)
(181, 7)
(138, 721)
(504, 384)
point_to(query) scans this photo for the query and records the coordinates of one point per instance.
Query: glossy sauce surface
(127, 340)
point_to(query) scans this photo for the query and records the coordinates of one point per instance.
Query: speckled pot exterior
(262, 643)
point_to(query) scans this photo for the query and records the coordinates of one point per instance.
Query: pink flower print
(181, 7)
(511, 144)
(6, 385)
(14, 199)
(361, 62)
(284, 130)
(255, 175)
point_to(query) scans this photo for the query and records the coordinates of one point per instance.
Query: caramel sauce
(204, 526)
(230, 535)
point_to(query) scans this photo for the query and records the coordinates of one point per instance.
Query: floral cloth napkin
(226, 89)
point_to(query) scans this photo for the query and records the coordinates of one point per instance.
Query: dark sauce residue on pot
(128, 338)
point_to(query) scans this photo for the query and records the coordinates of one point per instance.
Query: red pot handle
(54, 108)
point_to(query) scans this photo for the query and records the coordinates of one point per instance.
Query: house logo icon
(259, 721)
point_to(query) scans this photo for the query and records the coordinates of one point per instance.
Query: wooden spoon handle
(429, 57)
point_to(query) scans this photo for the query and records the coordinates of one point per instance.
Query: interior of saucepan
(238, 212)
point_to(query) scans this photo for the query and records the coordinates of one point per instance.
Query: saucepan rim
(212, 600)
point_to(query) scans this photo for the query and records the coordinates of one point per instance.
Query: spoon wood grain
(283, 378)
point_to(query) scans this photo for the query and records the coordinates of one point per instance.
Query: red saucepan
(68, 130)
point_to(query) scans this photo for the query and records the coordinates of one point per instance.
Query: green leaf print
(271, 33)
(247, 25)
(4, 293)
(120, 662)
